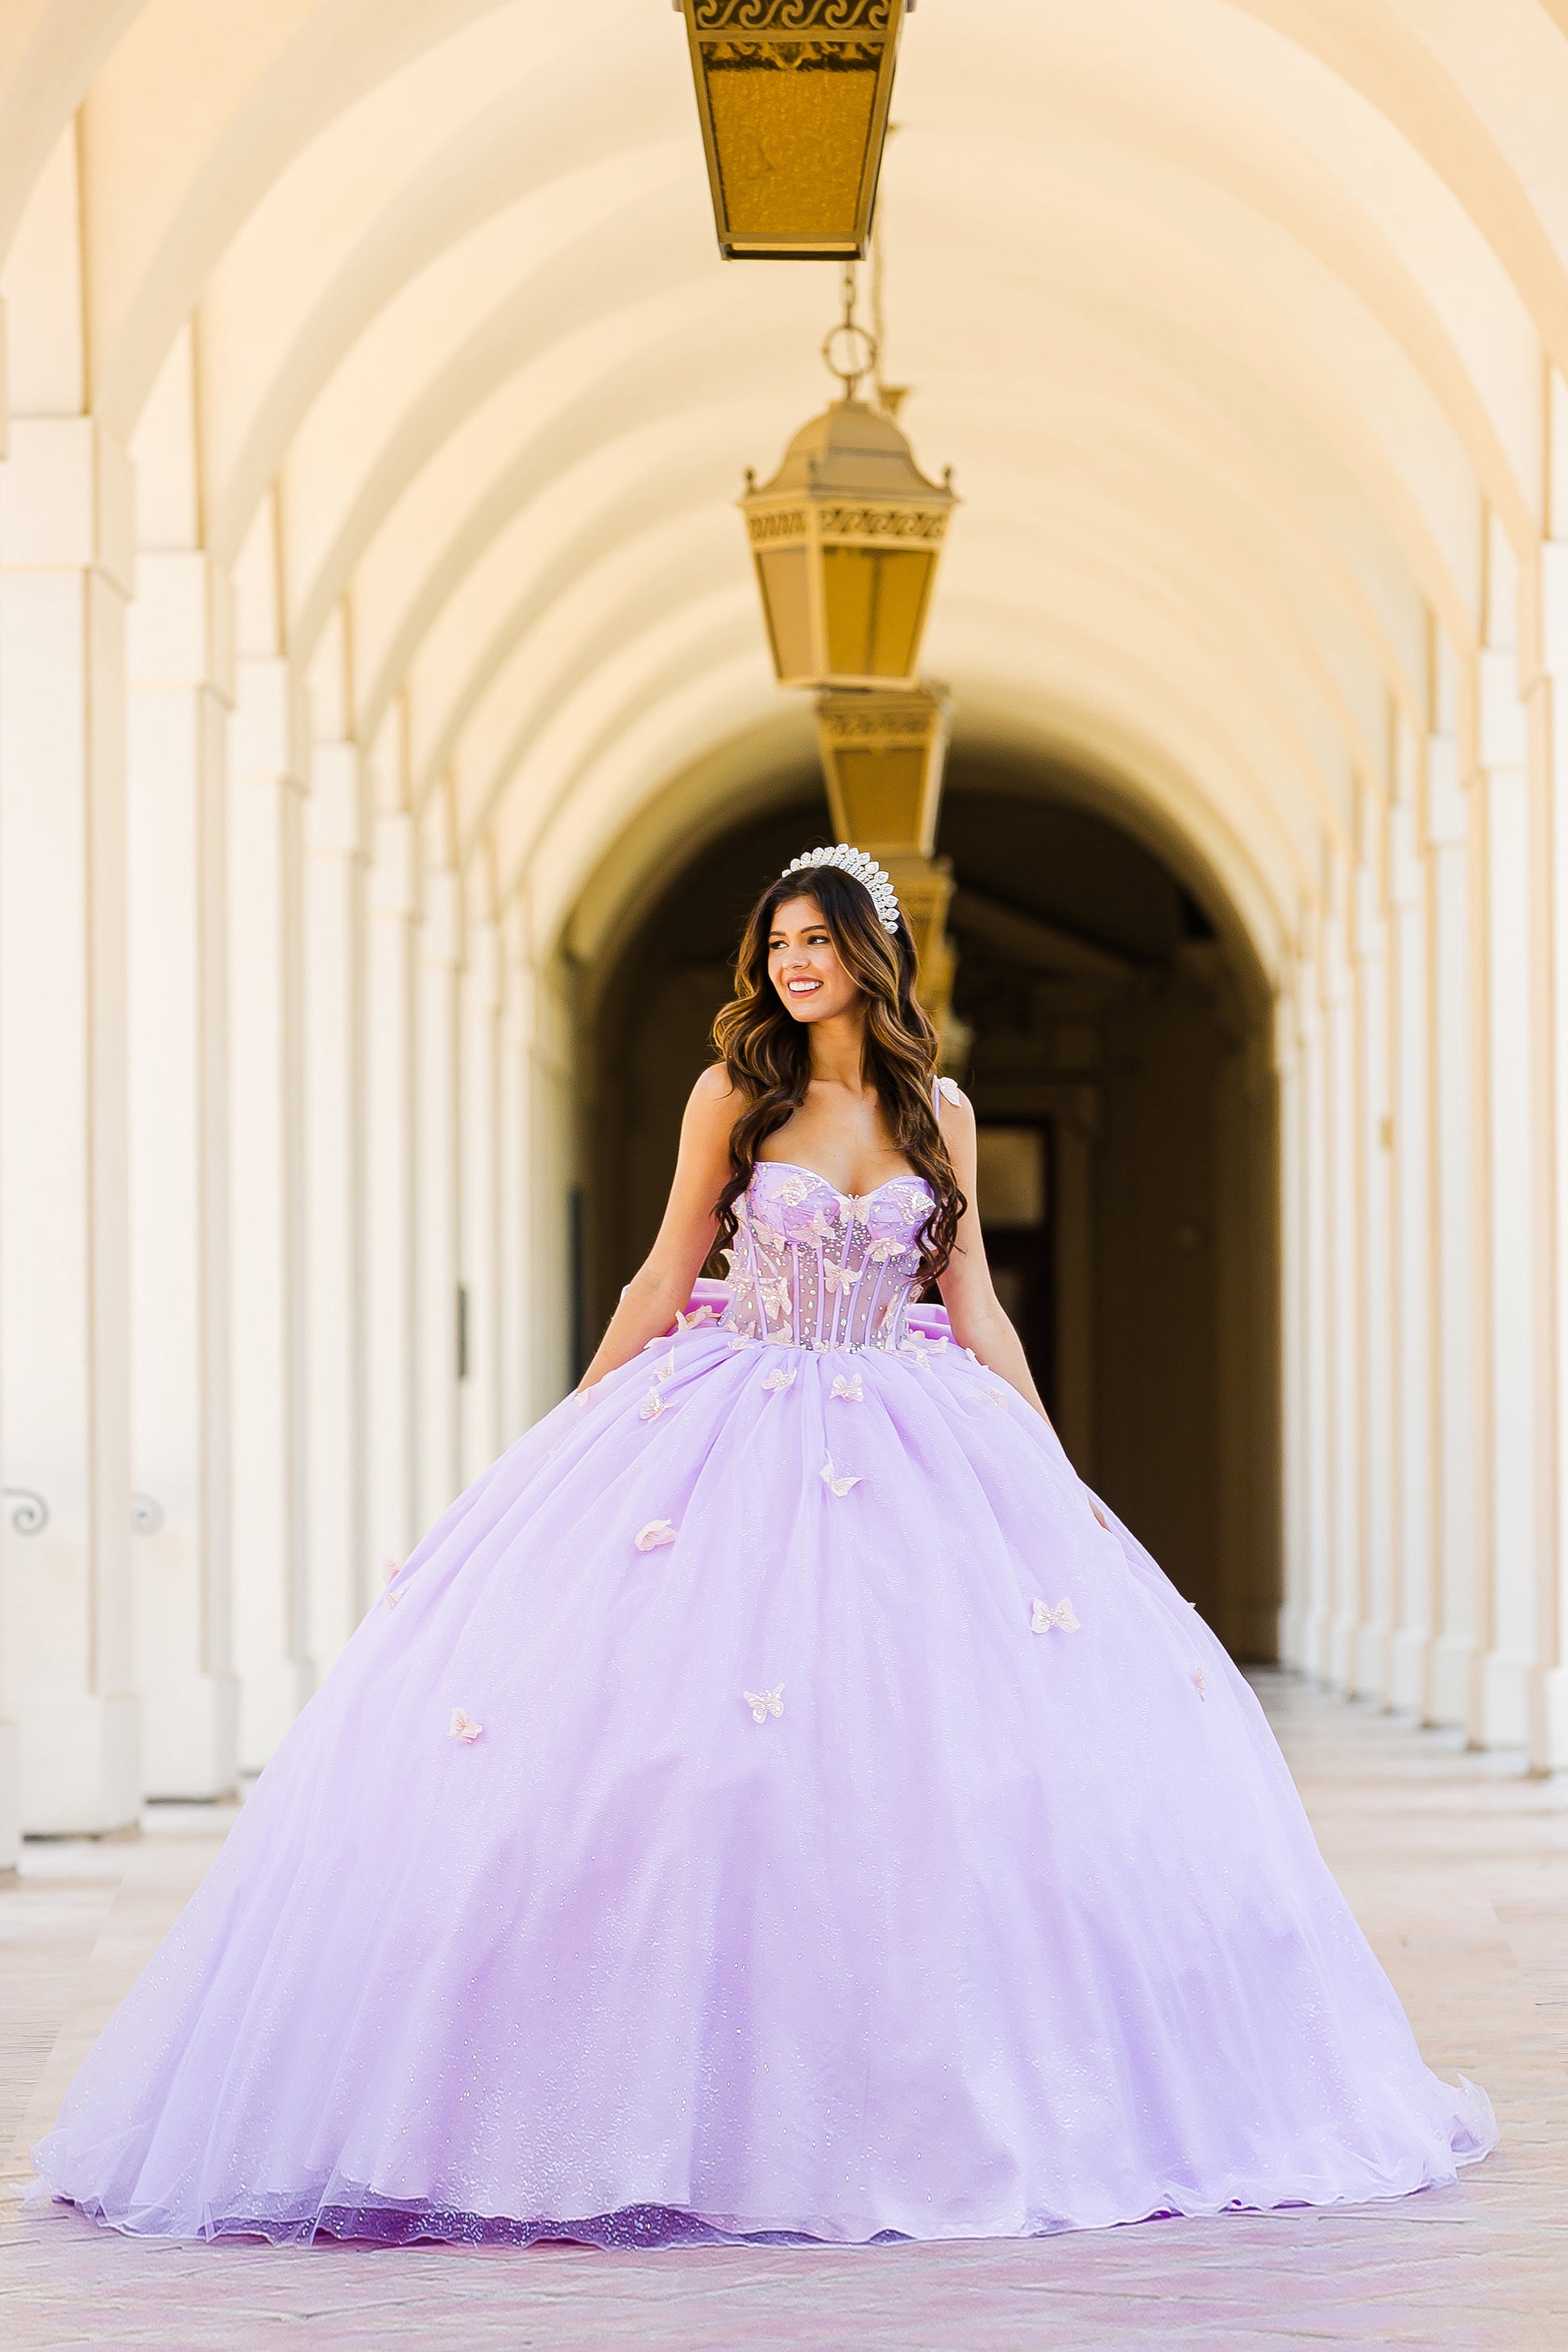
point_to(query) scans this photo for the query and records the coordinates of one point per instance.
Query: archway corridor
(387, 730)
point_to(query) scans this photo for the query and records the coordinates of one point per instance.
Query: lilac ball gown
(769, 1803)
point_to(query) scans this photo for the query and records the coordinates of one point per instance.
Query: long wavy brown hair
(767, 1052)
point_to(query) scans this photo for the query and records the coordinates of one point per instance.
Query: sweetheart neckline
(801, 1169)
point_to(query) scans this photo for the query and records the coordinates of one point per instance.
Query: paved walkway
(1458, 1868)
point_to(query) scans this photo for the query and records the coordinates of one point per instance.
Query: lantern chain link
(861, 344)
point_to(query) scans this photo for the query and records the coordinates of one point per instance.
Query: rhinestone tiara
(866, 871)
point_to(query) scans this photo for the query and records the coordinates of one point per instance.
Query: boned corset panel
(815, 1268)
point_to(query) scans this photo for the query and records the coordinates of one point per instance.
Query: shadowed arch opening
(1118, 1060)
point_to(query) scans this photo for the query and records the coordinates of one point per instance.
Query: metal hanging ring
(850, 376)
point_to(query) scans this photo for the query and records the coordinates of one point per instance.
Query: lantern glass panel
(876, 601)
(791, 124)
(881, 791)
(786, 600)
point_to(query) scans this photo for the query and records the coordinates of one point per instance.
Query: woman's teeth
(803, 987)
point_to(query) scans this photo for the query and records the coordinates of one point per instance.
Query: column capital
(1554, 608)
(394, 864)
(1367, 932)
(1336, 969)
(67, 500)
(1404, 856)
(179, 630)
(521, 1003)
(441, 931)
(262, 730)
(1447, 813)
(333, 816)
(482, 964)
(1502, 739)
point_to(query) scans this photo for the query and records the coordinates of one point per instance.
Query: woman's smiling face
(802, 963)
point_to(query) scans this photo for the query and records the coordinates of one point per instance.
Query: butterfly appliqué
(655, 1536)
(390, 1568)
(654, 1404)
(1061, 1617)
(834, 1480)
(781, 1377)
(1198, 1683)
(849, 1390)
(764, 1702)
(463, 1726)
(697, 1317)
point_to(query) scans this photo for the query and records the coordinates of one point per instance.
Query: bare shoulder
(956, 1112)
(713, 1088)
(956, 1117)
(712, 1106)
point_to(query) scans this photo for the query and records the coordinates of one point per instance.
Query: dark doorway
(1016, 1170)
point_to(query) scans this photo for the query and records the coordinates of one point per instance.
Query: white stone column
(265, 860)
(1314, 1622)
(66, 557)
(1454, 1687)
(1344, 1416)
(10, 1815)
(517, 1289)
(1409, 1685)
(439, 950)
(1507, 1597)
(1548, 703)
(181, 661)
(389, 1236)
(1372, 1663)
(552, 1121)
(338, 1574)
(1295, 1600)
(479, 1221)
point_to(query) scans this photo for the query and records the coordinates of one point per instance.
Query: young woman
(778, 1799)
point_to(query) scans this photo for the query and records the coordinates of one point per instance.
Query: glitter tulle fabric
(768, 1804)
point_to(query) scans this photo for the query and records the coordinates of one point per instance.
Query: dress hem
(648, 2227)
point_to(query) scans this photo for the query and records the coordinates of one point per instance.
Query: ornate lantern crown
(846, 537)
(793, 98)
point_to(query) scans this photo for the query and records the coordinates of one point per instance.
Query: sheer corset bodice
(814, 1267)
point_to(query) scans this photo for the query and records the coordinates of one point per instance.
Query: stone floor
(1458, 1867)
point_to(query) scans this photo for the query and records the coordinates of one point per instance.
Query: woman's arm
(661, 1287)
(973, 1306)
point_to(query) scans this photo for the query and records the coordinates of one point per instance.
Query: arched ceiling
(1235, 319)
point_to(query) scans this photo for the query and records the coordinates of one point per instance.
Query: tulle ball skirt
(768, 1804)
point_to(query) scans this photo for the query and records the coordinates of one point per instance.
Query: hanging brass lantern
(846, 539)
(882, 760)
(793, 96)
